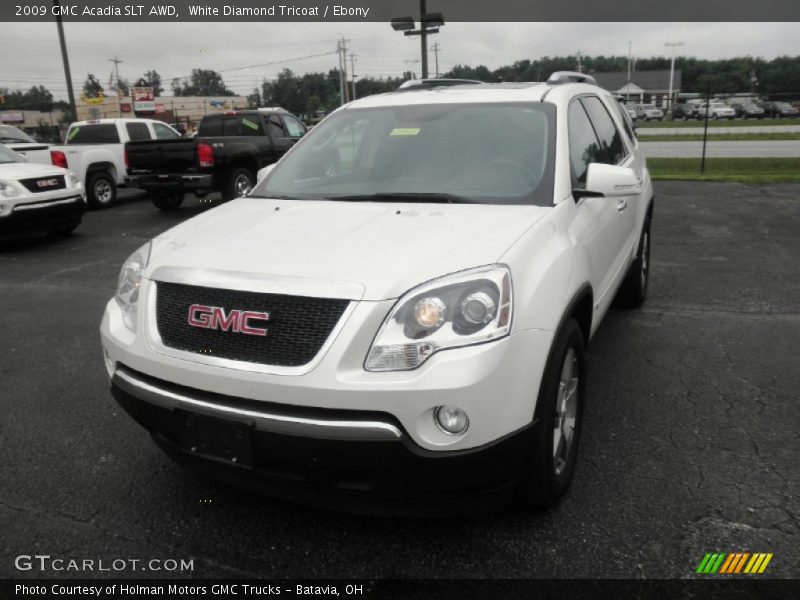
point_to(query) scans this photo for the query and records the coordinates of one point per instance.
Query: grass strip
(742, 170)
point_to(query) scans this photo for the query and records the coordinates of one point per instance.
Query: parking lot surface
(725, 149)
(690, 437)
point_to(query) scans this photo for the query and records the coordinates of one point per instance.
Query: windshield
(11, 135)
(482, 153)
(7, 155)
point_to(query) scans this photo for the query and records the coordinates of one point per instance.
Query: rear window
(10, 135)
(103, 133)
(137, 131)
(210, 126)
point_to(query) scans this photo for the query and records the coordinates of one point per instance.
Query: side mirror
(609, 181)
(264, 172)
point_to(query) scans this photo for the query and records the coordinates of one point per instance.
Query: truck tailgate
(161, 156)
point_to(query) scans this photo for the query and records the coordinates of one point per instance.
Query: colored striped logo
(731, 563)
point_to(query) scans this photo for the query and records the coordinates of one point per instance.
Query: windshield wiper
(404, 197)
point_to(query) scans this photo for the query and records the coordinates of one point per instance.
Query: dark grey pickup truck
(224, 156)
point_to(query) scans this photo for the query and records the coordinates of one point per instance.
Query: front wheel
(633, 291)
(557, 421)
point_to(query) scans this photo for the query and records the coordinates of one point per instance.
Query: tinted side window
(210, 127)
(251, 125)
(275, 126)
(584, 149)
(293, 126)
(607, 132)
(232, 126)
(163, 132)
(626, 121)
(137, 131)
(105, 133)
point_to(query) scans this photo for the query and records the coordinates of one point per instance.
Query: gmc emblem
(43, 183)
(238, 321)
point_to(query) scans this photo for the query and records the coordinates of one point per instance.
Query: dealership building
(642, 87)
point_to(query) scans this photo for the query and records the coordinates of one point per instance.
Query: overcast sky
(30, 53)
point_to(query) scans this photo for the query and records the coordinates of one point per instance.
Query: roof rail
(414, 84)
(560, 77)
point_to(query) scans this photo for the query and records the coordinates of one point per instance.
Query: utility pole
(580, 68)
(423, 36)
(629, 62)
(65, 60)
(341, 71)
(436, 49)
(116, 62)
(673, 45)
(353, 73)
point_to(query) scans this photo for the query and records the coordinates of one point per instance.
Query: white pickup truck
(95, 152)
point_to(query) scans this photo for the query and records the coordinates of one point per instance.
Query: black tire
(101, 190)
(63, 231)
(633, 291)
(240, 180)
(547, 474)
(168, 201)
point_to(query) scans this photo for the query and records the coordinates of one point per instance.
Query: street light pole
(424, 40)
(428, 24)
(673, 45)
(65, 60)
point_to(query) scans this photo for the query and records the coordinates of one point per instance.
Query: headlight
(7, 190)
(465, 308)
(130, 278)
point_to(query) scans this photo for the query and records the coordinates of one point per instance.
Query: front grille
(44, 184)
(298, 326)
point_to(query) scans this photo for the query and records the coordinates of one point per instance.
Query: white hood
(383, 248)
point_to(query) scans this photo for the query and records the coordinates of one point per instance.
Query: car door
(603, 225)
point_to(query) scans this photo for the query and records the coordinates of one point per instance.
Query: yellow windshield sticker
(249, 124)
(72, 133)
(405, 131)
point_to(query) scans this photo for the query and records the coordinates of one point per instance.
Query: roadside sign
(143, 99)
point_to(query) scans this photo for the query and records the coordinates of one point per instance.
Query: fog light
(451, 419)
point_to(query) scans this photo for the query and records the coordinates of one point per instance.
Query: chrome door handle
(622, 204)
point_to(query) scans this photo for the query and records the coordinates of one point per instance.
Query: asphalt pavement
(698, 128)
(726, 149)
(690, 439)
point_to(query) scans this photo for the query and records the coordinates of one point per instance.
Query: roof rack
(560, 77)
(414, 84)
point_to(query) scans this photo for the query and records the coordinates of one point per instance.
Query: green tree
(92, 87)
(202, 82)
(151, 79)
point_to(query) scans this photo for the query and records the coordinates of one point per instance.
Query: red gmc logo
(215, 317)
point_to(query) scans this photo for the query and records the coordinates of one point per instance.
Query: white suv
(401, 308)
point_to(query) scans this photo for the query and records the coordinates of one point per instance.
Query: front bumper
(44, 215)
(354, 461)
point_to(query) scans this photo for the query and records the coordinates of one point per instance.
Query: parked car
(648, 112)
(684, 111)
(37, 198)
(95, 152)
(748, 110)
(717, 110)
(399, 312)
(25, 145)
(780, 110)
(631, 113)
(224, 156)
